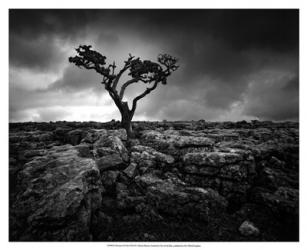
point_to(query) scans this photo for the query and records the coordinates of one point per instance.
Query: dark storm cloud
(34, 35)
(239, 29)
(292, 86)
(220, 52)
(39, 54)
(217, 44)
(33, 23)
(273, 98)
(275, 29)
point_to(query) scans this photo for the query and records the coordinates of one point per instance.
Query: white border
(143, 4)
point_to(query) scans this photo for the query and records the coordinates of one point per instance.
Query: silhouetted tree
(145, 71)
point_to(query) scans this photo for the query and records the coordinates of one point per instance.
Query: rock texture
(59, 192)
(176, 181)
(247, 228)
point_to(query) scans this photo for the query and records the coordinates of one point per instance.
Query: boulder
(113, 143)
(112, 161)
(148, 158)
(74, 137)
(148, 237)
(60, 191)
(176, 199)
(120, 133)
(94, 134)
(247, 228)
(131, 170)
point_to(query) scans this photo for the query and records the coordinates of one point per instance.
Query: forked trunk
(126, 121)
(126, 124)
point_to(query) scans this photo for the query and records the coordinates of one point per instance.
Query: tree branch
(146, 92)
(114, 96)
(127, 66)
(118, 77)
(126, 84)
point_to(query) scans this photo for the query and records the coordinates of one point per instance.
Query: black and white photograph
(153, 125)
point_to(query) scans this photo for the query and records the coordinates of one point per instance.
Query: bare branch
(126, 67)
(146, 92)
(118, 76)
(114, 96)
(125, 85)
(131, 81)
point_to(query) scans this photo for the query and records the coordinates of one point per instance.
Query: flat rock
(172, 138)
(113, 143)
(108, 162)
(142, 153)
(214, 159)
(130, 170)
(175, 198)
(60, 192)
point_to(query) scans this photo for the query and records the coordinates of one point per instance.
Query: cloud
(75, 78)
(27, 105)
(26, 79)
(50, 114)
(41, 54)
(273, 97)
(233, 63)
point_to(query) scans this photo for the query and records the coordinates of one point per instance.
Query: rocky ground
(176, 181)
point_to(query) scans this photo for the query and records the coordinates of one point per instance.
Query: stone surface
(109, 178)
(142, 153)
(74, 137)
(114, 143)
(283, 202)
(176, 181)
(176, 199)
(60, 192)
(247, 228)
(131, 170)
(214, 159)
(112, 161)
(84, 150)
(172, 138)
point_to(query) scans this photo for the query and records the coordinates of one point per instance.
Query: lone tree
(146, 71)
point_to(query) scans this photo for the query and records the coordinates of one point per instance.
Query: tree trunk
(126, 120)
(126, 124)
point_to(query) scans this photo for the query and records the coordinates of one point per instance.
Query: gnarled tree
(146, 71)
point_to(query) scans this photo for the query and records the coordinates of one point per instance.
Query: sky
(233, 64)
